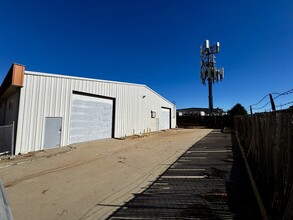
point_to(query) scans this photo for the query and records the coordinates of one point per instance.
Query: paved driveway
(94, 179)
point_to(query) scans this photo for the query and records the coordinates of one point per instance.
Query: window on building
(153, 114)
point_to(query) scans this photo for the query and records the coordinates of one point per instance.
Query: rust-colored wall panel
(18, 75)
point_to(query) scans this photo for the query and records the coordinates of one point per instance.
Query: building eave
(13, 80)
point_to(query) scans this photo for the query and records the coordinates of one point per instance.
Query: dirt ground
(95, 178)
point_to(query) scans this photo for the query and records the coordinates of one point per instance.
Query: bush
(237, 109)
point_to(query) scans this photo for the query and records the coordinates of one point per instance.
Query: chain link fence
(7, 139)
(267, 140)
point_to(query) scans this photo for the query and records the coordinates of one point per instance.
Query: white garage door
(165, 119)
(91, 118)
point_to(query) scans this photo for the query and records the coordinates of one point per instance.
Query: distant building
(199, 112)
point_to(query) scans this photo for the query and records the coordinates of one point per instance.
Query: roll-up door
(165, 119)
(91, 118)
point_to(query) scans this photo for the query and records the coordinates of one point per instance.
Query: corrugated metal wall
(48, 95)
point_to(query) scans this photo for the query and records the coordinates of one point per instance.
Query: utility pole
(208, 70)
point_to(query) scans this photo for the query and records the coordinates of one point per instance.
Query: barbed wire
(274, 98)
(260, 100)
(288, 103)
(284, 93)
(262, 106)
(281, 105)
(274, 93)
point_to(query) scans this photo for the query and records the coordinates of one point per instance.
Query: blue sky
(156, 42)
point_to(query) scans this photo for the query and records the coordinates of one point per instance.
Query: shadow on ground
(208, 181)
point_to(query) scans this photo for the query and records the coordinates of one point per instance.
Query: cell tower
(208, 70)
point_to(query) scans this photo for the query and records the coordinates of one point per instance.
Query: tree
(237, 109)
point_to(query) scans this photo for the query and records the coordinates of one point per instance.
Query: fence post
(272, 103)
(250, 110)
(12, 140)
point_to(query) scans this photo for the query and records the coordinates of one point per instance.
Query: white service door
(165, 119)
(91, 118)
(53, 128)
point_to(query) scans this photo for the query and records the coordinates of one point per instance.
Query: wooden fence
(207, 121)
(267, 141)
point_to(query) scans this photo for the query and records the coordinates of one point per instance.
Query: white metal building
(52, 110)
